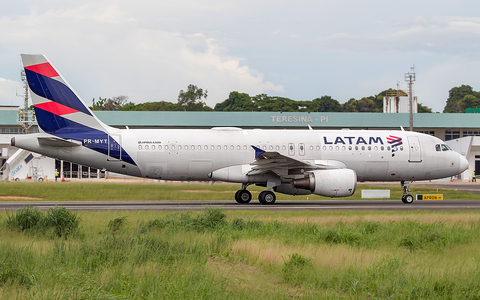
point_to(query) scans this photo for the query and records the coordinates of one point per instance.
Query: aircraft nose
(463, 163)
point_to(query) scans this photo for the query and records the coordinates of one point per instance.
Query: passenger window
(381, 148)
(186, 147)
(173, 147)
(146, 147)
(139, 147)
(159, 147)
(219, 147)
(166, 147)
(437, 147)
(153, 147)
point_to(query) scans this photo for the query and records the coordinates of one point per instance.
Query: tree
(236, 102)
(191, 100)
(114, 103)
(350, 106)
(423, 109)
(326, 104)
(455, 95)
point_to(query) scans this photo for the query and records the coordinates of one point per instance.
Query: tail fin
(61, 113)
(57, 107)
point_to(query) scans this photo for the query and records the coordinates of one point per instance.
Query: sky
(150, 50)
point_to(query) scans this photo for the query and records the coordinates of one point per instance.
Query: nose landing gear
(406, 198)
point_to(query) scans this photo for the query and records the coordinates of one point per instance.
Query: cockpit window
(445, 148)
(437, 147)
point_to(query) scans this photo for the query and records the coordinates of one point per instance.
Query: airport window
(471, 133)
(452, 134)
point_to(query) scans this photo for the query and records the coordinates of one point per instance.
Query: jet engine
(329, 183)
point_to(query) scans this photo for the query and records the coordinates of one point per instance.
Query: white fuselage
(192, 154)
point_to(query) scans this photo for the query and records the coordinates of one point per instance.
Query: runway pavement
(358, 205)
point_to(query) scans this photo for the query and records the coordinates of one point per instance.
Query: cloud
(435, 35)
(105, 51)
(8, 91)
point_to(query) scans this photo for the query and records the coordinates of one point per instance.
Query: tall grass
(192, 255)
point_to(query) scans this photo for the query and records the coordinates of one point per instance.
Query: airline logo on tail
(60, 112)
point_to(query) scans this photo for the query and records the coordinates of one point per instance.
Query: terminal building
(460, 131)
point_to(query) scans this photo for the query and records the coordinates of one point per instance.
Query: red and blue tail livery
(60, 112)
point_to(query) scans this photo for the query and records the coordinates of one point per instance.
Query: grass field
(77, 191)
(217, 254)
(246, 255)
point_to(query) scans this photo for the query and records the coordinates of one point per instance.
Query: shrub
(24, 218)
(210, 218)
(63, 221)
(116, 224)
(296, 268)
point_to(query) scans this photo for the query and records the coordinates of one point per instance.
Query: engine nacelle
(329, 183)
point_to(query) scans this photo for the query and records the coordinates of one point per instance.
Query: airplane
(294, 162)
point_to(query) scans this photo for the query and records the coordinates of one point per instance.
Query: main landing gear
(243, 196)
(406, 198)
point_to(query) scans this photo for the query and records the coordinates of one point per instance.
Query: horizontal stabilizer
(57, 142)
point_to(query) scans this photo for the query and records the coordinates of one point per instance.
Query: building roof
(274, 119)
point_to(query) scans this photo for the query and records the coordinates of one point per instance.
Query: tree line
(193, 99)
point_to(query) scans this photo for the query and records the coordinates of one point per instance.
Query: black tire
(17, 179)
(407, 199)
(267, 197)
(243, 196)
(40, 179)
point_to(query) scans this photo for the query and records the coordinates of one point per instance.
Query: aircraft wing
(285, 166)
(57, 142)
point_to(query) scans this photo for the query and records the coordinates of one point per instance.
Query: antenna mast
(410, 78)
(25, 118)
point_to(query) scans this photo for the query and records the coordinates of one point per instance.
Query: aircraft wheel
(40, 179)
(407, 199)
(267, 197)
(243, 196)
(17, 179)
